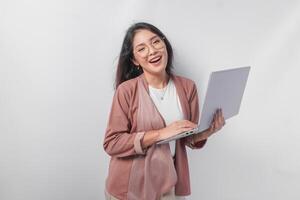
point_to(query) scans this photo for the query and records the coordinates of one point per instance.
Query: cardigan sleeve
(194, 117)
(119, 141)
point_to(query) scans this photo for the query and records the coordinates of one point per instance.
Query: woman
(151, 104)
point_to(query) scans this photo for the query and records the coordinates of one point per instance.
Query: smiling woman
(151, 104)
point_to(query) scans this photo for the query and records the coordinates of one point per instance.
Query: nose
(152, 50)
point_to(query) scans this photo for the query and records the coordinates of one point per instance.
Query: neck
(157, 81)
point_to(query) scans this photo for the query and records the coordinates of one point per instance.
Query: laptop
(225, 90)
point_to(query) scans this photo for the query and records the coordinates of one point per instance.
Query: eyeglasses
(143, 50)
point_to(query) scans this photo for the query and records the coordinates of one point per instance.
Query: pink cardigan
(132, 171)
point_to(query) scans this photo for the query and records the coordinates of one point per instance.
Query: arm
(119, 141)
(150, 138)
(194, 141)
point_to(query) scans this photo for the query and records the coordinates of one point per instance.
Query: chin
(156, 68)
(159, 73)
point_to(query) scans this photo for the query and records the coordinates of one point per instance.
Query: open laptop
(225, 90)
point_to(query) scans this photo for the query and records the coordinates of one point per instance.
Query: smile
(155, 60)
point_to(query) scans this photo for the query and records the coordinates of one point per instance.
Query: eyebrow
(148, 40)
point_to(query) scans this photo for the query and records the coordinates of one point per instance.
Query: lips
(155, 59)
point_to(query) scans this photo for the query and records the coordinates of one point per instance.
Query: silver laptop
(225, 90)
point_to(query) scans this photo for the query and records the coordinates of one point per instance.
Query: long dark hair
(126, 69)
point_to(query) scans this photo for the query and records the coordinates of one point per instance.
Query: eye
(156, 41)
(141, 49)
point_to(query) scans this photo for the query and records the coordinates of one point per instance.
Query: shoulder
(127, 88)
(186, 83)
(184, 79)
(129, 84)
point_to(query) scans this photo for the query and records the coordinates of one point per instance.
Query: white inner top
(167, 103)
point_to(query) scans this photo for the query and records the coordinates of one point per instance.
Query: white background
(57, 66)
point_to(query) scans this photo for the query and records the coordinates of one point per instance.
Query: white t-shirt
(168, 104)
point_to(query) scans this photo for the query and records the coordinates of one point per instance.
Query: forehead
(142, 36)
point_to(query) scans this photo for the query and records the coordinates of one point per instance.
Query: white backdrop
(57, 65)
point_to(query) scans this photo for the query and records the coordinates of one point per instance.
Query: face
(150, 53)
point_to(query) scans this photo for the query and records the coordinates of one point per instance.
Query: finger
(221, 113)
(184, 127)
(218, 115)
(222, 120)
(180, 124)
(191, 124)
(188, 124)
(218, 124)
(215, 127)
(222, 116)
(219, 119)
(216, 118)
(211, 128)
(216, 121)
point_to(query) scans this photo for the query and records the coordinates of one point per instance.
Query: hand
(175, 128)
(217, 123)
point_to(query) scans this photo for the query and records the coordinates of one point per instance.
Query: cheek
(138, 61)
(142, 62)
